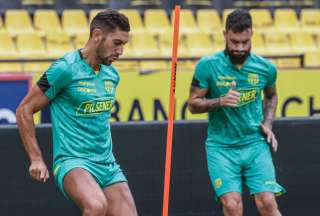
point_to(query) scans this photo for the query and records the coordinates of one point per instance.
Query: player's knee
(232, 205)
(95, 207)
(266, 202)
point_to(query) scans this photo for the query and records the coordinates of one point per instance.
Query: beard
(240, 58)
(103, 59)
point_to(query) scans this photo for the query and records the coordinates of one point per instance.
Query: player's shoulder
(215, 58)
(71, 57)
(264, 62)
(111, 71)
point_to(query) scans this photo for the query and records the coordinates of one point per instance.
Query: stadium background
(35, 32)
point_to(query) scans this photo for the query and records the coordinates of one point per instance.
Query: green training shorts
(105, 174)
(252, 165)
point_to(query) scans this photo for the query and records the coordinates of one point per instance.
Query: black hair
(238, 21)
(110, 20)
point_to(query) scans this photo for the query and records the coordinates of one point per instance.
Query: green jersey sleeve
(272, 76)
(201, 74)
(55, 79)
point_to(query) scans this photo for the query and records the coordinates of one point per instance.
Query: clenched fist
(38, 170)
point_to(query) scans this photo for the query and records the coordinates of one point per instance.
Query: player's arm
(269, 109)
(34, 101)
(269, 105)
(198, 103)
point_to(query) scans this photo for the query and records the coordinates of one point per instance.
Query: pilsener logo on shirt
(95, 106)
(247, 96)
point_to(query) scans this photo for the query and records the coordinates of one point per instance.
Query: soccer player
(228, 85)
(80, 89)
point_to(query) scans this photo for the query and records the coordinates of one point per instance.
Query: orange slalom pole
(167, 171)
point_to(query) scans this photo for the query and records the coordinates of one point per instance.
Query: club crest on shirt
(253, 79)
(217, 183)
(109, 86)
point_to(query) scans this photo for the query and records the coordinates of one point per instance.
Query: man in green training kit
(80, 88)
(228, 85)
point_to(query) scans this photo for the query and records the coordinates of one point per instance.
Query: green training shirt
(231, 127)
(81, 103)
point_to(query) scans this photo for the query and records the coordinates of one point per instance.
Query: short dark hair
(238, 21)
(110, 20)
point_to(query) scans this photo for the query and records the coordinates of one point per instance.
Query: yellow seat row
(54, 45)
(156, 21)
(45, 22)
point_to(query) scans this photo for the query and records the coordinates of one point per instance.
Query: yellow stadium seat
(144, 45)
(199, 44)
(47, 21)
(225, 14)
(187, 22)
(58, 44)
(141, 3)
(10, 67)
(310, 20)
(185, 66)
(126, 66)
(7, 47)
(2, 28)
(35, 67)
(261, 20)
(38, 2)
(93, 13)
(311, 59)
(31, 46)
(277, 43)
(156, 21)
(128, 51)
(302, 42)
(165, 43)
(18, 22)
(81, 39)
(285, 20)
(135, 20)
(218, 41)
(209, 21)
(318, 40)
(287, 63)
(154, 66)
(74, 21)
(94, 2)
(258, 45)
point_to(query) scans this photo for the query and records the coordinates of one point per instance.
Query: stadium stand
(30, 45)
(209, 21)
(58, 44)
(311, 59)
(144, 45)
(18, 22)
(261, 20)
(156, 21)
(74, 21)
(195, 48)
(285, 20)
(47, 21)
(279, 32)
(302, 42)
(187, 22)
(277, 43)
(135, 20)
(310, 20)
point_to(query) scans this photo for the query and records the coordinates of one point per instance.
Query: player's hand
(232, 97)
(38, 170)
(270, 137)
